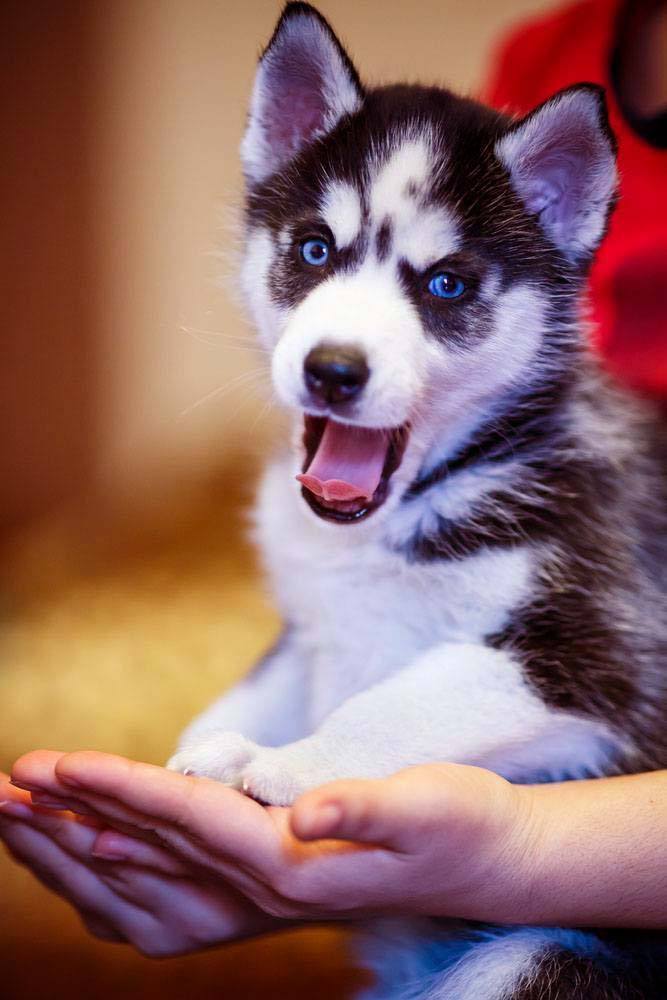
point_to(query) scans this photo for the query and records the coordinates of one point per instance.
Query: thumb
(379, 811)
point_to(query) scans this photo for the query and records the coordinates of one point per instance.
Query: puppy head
(412, 259)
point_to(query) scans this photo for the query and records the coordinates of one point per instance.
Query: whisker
(267, 406)
(220, 391)
(213, 337)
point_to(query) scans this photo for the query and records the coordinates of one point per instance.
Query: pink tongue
(348, 462)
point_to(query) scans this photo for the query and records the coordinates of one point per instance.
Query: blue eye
(446, 286)
(315, 252)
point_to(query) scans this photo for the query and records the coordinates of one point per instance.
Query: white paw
(278, 776)
(222, 756)
(273, 775)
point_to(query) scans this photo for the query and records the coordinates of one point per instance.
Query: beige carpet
(114, 632)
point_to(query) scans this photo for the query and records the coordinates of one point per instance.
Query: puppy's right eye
(315, 252)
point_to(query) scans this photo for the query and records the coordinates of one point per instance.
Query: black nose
(335, 374)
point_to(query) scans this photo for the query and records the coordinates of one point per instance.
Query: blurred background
(136, 410)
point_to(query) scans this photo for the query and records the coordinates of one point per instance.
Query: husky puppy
(467, 540)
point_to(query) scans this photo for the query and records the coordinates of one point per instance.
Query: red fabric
(629, 278)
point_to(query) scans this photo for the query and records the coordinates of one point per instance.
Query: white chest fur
(362, 610)
(386, 667)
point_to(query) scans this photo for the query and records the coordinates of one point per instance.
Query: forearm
(596, 854)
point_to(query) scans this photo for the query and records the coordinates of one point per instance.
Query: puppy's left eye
(446, 286)
(315, 252)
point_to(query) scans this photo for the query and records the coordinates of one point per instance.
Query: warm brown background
(132, 409)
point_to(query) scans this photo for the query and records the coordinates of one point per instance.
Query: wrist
(491, 848)
(521, 857)
(507, 893)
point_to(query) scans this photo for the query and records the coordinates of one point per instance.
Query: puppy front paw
(222, 757)
(278, 776)
(275, 776)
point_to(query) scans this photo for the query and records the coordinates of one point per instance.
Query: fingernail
(24, 788)
(19, 810)
(322, 821)
(108, 855)
(107, 848)
(328, 816)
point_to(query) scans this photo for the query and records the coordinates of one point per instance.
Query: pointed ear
(562, 164)
(305, 84)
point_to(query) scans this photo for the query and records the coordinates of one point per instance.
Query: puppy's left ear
(562, 164)
(305, 84)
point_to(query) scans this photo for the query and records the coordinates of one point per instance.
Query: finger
(137, 833)
(129, 882)
(111, 845)
(99, 928)
(217, 817)
(13, 801)
(35, 771)
(101, 808)
(130, 915)
(67, 876)
(85, 841)
(132, 838)
(133, 827)
(75, 836)
(206, 823)
(158, 914)
(85, 838)
(16, 803)
(57, 860)
(173, 852)
(188, 914)
(16, 809)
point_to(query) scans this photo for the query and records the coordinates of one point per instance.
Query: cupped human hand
(156, 902)
(435, 839)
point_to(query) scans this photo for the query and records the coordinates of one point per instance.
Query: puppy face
(412, 257)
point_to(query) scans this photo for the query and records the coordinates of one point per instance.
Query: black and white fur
(505, 605)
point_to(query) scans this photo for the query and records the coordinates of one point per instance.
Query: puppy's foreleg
(463, 703)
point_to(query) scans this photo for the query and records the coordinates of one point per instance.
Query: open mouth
(347, 469)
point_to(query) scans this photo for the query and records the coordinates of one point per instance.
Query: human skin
(208, 865)
(157, 903)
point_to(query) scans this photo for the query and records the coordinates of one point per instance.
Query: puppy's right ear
(305, 84)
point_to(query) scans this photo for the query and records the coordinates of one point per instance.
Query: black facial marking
(350, 257)
(462, 322)
(526, 423)
(383, 241)
(495, 228)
